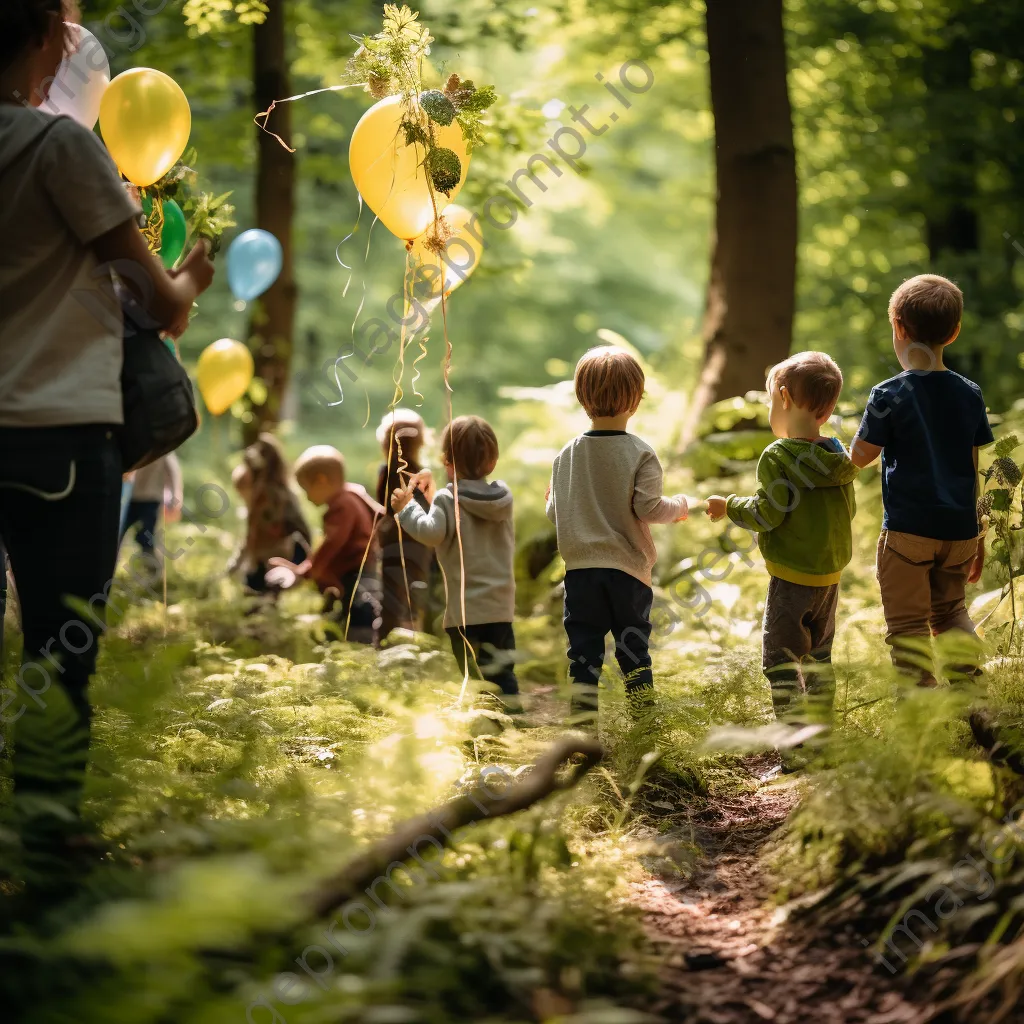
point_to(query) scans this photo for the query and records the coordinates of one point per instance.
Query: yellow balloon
(390, 175)
(145, 120)
(224, 373)
(447, 269)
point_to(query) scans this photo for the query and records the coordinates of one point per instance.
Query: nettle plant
(391, 63)
(1000, 507)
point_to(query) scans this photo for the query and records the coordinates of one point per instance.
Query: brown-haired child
(405, 563)
(605, 489)
(802, 514)
(275, 527)
(927, 423)
(344, 566)
(480, 601)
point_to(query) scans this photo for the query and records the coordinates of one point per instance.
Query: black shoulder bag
(159, 404)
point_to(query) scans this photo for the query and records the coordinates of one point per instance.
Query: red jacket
(348, 531)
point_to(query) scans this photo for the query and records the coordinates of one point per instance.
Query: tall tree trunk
(272, 325)
(748, 320)
(951, 178)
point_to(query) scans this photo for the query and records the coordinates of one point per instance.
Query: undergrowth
(241, 755)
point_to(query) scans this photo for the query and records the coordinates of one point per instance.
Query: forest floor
(730, 955)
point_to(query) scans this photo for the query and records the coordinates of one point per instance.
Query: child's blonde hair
(404, 426)
(813, 380)
(320, 460)
(609, 382)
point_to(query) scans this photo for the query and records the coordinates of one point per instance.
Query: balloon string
(467, 647)
(265, 114)
(403, 466)
(337, 249)
(355, 319)
(422, 337)
(154, 229)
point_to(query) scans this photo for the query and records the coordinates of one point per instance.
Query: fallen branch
(485, 802)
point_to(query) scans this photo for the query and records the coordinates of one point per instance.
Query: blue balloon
(254, 262)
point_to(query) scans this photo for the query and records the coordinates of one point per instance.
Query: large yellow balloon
(145, 120)
(390, 175)
(435, 271)
(224, 373)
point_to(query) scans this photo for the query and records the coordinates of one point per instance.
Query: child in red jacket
(345, 565)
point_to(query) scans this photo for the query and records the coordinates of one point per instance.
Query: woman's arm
(166, 297)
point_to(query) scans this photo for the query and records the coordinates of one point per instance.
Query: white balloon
(81, 80)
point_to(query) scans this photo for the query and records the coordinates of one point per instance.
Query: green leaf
(1001, 499)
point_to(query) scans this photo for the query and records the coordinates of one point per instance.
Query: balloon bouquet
(409, 155)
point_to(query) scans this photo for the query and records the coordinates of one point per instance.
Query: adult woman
(67, 222)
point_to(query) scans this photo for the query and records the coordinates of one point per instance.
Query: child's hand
(692, 505)
(716, 507)
(978, 564)
(172, 512)
(281, 577)
(547, 493)
(401, 496)
(424, 480)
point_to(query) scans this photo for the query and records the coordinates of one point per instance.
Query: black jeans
(144, 515)
(360, 592)
(60, 496)
(599, 602)
(489, 642)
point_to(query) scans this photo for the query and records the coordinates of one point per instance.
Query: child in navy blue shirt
(928, 424)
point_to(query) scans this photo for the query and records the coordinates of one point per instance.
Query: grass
(240, 757)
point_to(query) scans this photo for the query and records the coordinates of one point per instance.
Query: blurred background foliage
(909, 159)
(245, 755)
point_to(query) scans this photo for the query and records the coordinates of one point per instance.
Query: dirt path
(731, 957)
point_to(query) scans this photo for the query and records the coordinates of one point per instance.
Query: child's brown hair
(813, 380)
(928, 307)
(609, 382)
(471, 446)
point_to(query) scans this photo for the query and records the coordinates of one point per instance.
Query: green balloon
(173, 233)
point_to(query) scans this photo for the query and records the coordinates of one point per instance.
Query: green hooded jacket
(802, 512)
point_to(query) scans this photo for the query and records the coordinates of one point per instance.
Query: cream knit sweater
(605, 489)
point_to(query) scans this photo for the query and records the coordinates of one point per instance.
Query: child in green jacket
(802, 514)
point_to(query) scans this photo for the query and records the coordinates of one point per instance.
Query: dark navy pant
(599, 602)
(493, 645)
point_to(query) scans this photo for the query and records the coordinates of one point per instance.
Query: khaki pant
(923, 583)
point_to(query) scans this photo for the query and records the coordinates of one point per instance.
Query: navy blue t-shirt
(928, 424)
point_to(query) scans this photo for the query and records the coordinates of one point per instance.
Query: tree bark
(272, 323)
(748, 320)
(951, 179)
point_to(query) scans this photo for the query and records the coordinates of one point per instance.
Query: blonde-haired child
(344, 566)
(605, 490)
